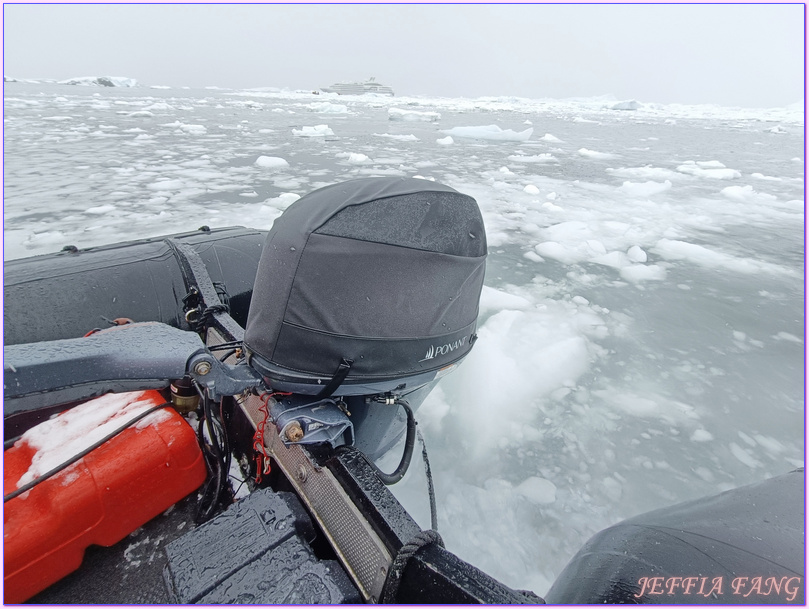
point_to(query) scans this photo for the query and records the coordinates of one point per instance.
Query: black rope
(84, 453)
(206, 315)
(430, 487)
(531, 598)
(406, 552)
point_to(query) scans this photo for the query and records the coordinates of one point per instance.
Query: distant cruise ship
(359, 88)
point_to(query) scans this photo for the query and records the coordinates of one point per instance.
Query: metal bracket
(220, 379)
(312, 423)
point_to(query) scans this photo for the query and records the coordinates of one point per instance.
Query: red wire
(262, 458)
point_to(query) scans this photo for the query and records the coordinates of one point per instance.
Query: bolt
(294, 432)
(302, 473)
(202, 368)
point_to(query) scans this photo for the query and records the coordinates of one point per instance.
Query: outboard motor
(367, 292)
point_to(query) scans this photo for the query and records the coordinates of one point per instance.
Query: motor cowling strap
(337, 379)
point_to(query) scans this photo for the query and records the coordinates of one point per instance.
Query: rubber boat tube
(67, 294)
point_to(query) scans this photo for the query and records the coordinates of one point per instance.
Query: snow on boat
(142, 379)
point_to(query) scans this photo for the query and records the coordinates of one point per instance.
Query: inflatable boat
(196, 419)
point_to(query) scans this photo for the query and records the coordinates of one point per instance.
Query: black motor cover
(385, 273)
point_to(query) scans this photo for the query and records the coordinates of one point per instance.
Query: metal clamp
(220, 379)
(313, 423)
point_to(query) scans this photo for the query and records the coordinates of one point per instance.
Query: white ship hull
(359, 88)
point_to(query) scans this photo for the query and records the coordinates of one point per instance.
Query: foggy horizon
(730, 55)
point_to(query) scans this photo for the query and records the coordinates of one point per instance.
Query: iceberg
(100, 81)
(626, 105)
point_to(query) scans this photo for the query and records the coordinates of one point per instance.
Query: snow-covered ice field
(642, 325)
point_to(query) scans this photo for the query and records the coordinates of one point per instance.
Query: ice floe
(490, 132)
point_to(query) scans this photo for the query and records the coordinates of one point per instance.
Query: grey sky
(736, 55)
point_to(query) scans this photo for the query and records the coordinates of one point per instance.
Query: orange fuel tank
(101, 498)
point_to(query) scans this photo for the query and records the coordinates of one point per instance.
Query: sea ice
(497, 300)
(316, 131)
(744, 194)
(159, 107)
(709, 169)
(788, 337)
(490, 132)
(616, 260)
(399, 138)
(761, 176)
(644, 173)
(535, 158)
(187, 128)
(398, 114)
(701, 435)
(327, 108)
(558, 251)
(626, 105)
(283, 201)
(355, 158)
(636, 254)
(771, 445)
(744, 455)
(641, 272)
(538, 490)
(593, 154)
(100, 210)
(644, 189)
(672, 249)
(271, 162)
(167, 184)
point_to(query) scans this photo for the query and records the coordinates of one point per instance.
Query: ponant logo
(434, 352)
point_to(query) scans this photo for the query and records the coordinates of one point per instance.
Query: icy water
(642, 325)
